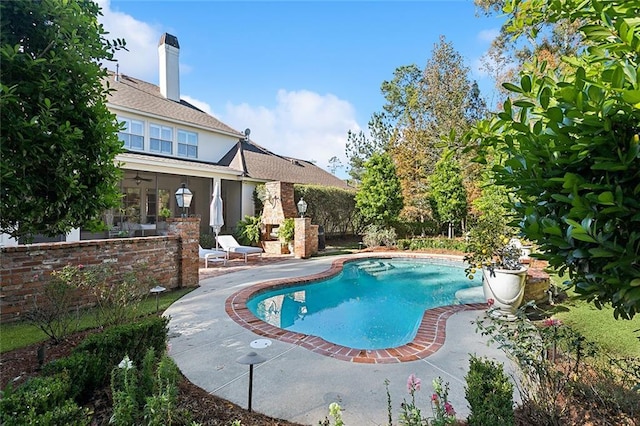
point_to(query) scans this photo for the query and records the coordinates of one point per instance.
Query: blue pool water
(371, 304)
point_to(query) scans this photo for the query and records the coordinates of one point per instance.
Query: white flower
(126, 363)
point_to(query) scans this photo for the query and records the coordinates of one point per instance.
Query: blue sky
(299, 74)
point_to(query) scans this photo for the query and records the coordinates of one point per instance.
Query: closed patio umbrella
(216, 220)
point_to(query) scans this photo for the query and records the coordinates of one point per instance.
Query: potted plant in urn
(491, 252)
(286, 233)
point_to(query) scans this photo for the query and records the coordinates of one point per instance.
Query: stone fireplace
(279, 204)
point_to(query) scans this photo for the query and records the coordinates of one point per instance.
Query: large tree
(570, 138)
(543, 40)
(360, 146)
(379, 198)
(428, 106)
(448, 194)
(59, 140)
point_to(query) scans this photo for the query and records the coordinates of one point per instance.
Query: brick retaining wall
(170, 261)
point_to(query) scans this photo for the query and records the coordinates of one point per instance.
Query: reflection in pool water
(371, 304)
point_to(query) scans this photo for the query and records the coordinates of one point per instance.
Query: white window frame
(164, 141)
(187, 144)
(127, 134)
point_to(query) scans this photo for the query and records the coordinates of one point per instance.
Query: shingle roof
(145, 97)
(256, 161)
(261, 163)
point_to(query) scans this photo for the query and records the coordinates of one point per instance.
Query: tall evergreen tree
(360, 147)
(379, 198)
(448, 193)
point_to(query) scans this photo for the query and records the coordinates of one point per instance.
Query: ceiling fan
(139, 179)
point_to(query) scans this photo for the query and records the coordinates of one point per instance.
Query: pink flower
(448, 408)
(490, 302)
(552, 322)
(434, 397)
(81, 266)
(413, 383)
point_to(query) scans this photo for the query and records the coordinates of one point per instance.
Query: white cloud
(202, 105)
(141, 59)
(303, 124)
(488, 35)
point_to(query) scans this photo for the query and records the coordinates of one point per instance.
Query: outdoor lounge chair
(212, 255)
(230, 245)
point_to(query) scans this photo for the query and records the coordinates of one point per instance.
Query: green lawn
(21, 334)
(617, 337)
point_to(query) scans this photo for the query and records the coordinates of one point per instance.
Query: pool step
(374, 267)
(471, 295)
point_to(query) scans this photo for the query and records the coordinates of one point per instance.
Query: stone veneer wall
(171, 261)
(283, 206)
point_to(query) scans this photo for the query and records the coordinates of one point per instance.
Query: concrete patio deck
(296, 383)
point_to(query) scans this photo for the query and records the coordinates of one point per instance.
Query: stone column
(188, 231)
(306, 238)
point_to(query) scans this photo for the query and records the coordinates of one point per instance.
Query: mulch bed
(21, 364)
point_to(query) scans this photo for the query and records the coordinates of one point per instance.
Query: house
(169, 142)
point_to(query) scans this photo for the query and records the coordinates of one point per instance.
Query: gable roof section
(260, 163)
(141, 96)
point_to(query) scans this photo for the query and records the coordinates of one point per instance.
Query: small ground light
(157, 290)
(250, 359)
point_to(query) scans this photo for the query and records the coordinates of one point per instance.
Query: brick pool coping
(428, 340)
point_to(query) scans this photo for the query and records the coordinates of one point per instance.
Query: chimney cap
(169, 39)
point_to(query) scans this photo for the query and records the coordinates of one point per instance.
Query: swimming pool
(373, 303)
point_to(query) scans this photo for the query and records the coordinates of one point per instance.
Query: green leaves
(59, 140)
(571, 154)
(379, 198)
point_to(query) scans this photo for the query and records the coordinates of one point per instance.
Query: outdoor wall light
(251, 359)
(302, 207)
(183, 198)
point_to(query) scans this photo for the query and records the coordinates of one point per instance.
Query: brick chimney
(169, 56)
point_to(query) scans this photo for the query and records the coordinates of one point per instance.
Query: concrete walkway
(295, 383)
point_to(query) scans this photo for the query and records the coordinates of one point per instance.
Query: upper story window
(132, 136)
(161, 139)
(187, 144)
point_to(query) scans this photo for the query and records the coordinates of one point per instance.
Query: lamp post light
(183, 198)
(302, 207)
(251, 359)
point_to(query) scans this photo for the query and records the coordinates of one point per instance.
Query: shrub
(91, 362)
(427, 243)
(411, 229)
(332, 208)
(44, 401)
(377, 236)
(489, 393)
(85, 370)
(52, 310)
(160, 407)
(535, 350)
(207, 241)
(287, 230)
(249, 230)
(150, 392)
(117, 301)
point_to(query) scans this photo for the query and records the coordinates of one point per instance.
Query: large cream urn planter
(504, 291)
